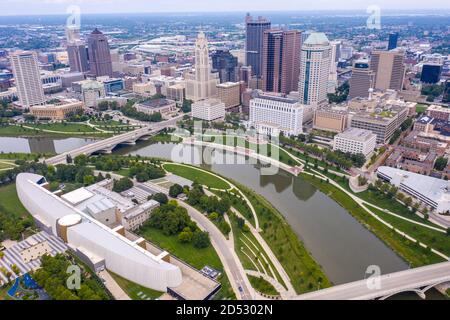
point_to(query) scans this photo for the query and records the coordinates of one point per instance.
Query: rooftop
(317, 38)
(356, 134)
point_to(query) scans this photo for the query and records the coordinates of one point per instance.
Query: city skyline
(42, 7)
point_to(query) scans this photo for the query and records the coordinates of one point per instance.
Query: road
(231, 263)
(389, 284)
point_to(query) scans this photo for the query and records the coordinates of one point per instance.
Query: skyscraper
(393, 41)
(333, 78)
(314, 69)
(99, 54)
(431, 73)
(389, 67)
(362, 79)
(28, 78)
(254, 42)
(226, 65)
(202, 83)
(281, 60)
(78, 57)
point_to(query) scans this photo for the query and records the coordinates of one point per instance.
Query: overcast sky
(25, 7)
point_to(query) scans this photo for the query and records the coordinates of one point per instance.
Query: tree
(408, 201)
(186, 235)
(200, 239)
(175, 190)
(80, 160)
(186, 107)
(122, 184)
(440, 163)
(161, 198)
(88, 180)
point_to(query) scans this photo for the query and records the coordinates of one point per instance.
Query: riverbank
(411, 252)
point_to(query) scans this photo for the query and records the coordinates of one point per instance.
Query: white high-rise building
(272, 114)
(28, 78)
(333, 77)
(315, 69)
(202, 83)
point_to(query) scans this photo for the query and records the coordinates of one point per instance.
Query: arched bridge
(107, 145)
(418, 280)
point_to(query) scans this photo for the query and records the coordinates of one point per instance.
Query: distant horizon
(419, 11)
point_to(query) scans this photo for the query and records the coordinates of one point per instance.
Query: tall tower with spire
(202, 83)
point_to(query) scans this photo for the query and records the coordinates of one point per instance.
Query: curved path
(232, 186)
(231, 263)
(363, 204)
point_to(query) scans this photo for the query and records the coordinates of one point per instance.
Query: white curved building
(93, 240)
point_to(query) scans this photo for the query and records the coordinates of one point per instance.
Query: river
(337, 241)
(41, 145)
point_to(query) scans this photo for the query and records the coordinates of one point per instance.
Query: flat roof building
(330, 118)
(355, 141)
(208, 110)
(431, 191)
(230, 94)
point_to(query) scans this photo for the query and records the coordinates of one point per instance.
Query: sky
(27, 7)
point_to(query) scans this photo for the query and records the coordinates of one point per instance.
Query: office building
(272, 114)
(434, 192)
(202, 83)
(355, 141)
(28, 79)
(315, 68)
(91, 91)
(245, 74)
(382, 123)
(439, 112)
(393, 41)
(333, 76)
(226, 65)
(389, 68)
(58, 109)
(208, 110)
(78, 57)
(330, 118)
(163, 106)
(254, 42)
(281, 60)
(99, 55)
(230, 94)
(431, 73)
(362, 79)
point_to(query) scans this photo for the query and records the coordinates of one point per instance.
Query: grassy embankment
(409, 251)
(135, 291)
(198, 258)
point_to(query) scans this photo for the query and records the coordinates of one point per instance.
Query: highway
(408, 280)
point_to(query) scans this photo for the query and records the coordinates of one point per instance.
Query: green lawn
(198, 258)
(64, 127)
(15, 131)
(305, 274)
(134, 290)
(250, 240)
(412, 253)
(22, 156)
(436, 240)
(196, 175)
(4, 293)
(263, 286)
(421, 108)
(10, 203)
(380, 200)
